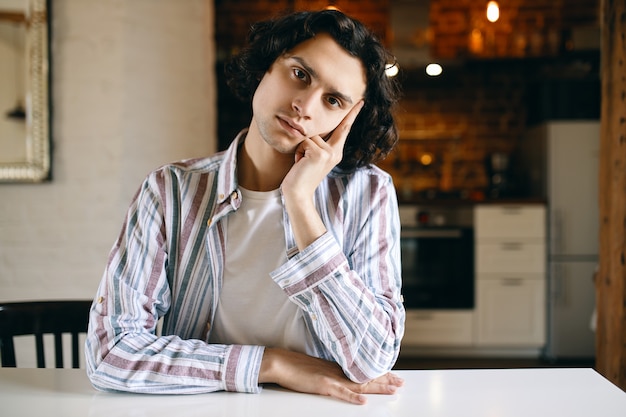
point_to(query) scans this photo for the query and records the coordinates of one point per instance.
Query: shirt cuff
(242, 368)
(317, 262)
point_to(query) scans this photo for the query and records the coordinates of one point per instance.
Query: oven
(437, 249)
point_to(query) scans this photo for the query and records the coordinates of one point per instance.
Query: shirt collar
(227, 175)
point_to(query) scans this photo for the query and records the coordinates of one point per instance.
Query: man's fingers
(340, 134)
(385, 384)
(393, 379)
(377, 388)
(343, 393)
(355, 393)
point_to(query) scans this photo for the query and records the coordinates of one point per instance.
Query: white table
(447, 393)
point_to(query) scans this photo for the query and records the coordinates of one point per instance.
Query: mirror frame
(37, 165)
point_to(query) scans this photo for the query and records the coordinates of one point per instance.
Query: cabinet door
(573, 187)
(510, 256)
(510, 312)
(572, 303)
(438, 328)
(519, 221)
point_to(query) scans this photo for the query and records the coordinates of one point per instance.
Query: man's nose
(304, 104)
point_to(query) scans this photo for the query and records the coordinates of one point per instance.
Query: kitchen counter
(420, 201)
(441, 393)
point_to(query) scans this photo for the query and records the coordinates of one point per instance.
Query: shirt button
(208, 222)
(314, 317)
(221, 196)
(234, 195)
(100, 300)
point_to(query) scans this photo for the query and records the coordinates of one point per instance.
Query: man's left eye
(334, 102)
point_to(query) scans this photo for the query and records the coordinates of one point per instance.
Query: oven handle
(434, 234)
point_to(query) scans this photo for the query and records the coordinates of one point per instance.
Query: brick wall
(525, 28)
(457, 119)
(482, 107)
(482, 102)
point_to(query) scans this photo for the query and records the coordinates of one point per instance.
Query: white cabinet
(510, 221)
(510, 275)
(510, 312)
(437, 328)
(510, 255)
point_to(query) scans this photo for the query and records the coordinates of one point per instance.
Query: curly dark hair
(373, 134)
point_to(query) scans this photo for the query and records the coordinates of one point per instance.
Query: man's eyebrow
(315, 75)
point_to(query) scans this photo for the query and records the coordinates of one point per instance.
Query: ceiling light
(493, 11)
(391, 70)
(426, 159)
(434, 70)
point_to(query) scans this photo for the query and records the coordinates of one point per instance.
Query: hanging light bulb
(434, 70)
(331, 6)
(391, 70)
(493, 11)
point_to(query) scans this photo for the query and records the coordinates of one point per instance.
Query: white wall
(133, 88)
(12, 86)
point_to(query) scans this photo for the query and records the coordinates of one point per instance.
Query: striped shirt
(168, 263)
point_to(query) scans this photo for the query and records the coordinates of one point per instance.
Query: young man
(278, 260)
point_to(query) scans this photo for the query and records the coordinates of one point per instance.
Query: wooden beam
(611, 277)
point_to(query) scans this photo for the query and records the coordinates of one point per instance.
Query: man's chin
(286, 148)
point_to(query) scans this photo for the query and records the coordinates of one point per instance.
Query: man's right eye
(300, 74)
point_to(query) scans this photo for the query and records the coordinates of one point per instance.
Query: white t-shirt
(252, 308)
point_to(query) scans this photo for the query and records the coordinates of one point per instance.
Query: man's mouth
(295, 128)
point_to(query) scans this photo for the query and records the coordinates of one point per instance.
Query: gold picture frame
(31, 163)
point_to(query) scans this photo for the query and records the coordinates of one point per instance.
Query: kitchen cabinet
(510, 312)
(510, 275)
(437, 328)
(510, 254)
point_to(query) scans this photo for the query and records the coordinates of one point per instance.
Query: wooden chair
(42, 317)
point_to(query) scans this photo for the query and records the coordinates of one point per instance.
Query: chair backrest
(42, 317)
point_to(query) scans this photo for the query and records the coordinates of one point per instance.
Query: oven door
(438, 268)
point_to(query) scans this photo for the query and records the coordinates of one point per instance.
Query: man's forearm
(305, 221)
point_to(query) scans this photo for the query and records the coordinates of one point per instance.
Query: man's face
(306, 92)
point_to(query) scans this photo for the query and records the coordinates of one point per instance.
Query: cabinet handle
(511, 246)
(556, 230)
(558, 284)
(512, 282)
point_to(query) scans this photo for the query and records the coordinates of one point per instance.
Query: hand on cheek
(316, 156)
(314, 159)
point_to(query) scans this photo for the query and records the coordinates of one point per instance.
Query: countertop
(442, 393)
